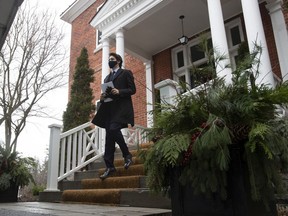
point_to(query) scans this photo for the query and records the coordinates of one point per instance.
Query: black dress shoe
(128, 161)
(107, 173)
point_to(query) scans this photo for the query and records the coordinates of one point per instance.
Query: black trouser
(113, 134)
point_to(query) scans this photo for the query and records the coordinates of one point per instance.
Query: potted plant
(225, 145)
(15, 172)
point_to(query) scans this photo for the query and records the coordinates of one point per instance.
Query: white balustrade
(73, 150)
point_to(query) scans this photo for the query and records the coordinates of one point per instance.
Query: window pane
(196, 53)
(202, 74)
(235, 34)
(180, 59)
(182, 79)
(210, 44)
(183, 82)
(99, 37)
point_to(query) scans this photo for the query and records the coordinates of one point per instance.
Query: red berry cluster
(188, 153)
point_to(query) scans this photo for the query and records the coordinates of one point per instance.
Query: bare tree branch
(31, 65)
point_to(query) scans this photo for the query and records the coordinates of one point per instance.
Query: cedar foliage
(195, 135)
(80, 106)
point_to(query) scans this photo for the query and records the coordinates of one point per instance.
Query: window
(98, 38)
(235, 35)
(196, 53)
(180, 59)
(98, 34)
(200, 75)
(235, 38)
(187, 58)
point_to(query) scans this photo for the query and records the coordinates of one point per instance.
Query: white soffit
(121, 13)
(77, 8)
(8, 11)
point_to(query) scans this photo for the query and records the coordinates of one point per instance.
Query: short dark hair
(117, 57)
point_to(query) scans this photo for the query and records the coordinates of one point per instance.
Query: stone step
(121, 196)
(118, 162)
(134, 169)
(138, 181)
(123, 187)
(115, 182)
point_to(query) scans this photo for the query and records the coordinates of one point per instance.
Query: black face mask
(112, 64)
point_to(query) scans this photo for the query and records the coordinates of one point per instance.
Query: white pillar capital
(120, 32)
(274, 6)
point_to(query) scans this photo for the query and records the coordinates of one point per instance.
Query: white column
(256, 35)
(280, 34)
(53, 162)
(219, 39)
(105, 57)
(120, 49)
(149, 93)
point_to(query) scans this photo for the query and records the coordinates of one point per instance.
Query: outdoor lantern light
(183, 40)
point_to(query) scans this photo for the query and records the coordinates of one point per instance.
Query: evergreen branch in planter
(15, 169)
(196, 135)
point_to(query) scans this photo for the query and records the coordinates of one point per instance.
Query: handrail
(79, 147)
(73, 150)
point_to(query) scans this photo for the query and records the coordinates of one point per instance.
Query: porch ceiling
(162, 28)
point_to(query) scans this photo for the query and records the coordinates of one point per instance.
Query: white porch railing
(74, 149)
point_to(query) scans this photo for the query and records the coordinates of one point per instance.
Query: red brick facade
(270, 40)
(285, 11)
(162, 66)
(83, 34)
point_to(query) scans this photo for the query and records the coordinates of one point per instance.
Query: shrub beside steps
(124, 187)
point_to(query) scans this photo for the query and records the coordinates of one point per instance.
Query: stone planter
(9, 195)
(185, 203)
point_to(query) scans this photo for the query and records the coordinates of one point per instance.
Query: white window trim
(194, 42)
(233, 49)
(230, 25)
(98, 45)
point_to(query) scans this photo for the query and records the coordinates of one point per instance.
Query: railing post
(53, 162)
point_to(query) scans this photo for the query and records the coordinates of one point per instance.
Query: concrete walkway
(61, 209)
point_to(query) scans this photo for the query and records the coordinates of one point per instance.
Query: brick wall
(84, 35)
(285, 11)
(270, 40)
(162, 66)
(139, 99)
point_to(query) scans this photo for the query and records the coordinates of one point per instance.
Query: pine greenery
(196, 135)
(80, 106)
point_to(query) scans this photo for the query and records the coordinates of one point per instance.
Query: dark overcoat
(120, 110)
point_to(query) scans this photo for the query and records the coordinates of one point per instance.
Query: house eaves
(8, 10)
(124, 14)
(75, 9)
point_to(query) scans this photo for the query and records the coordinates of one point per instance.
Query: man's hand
(103, 96)
(115, 91)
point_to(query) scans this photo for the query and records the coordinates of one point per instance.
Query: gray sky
(34, 140)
